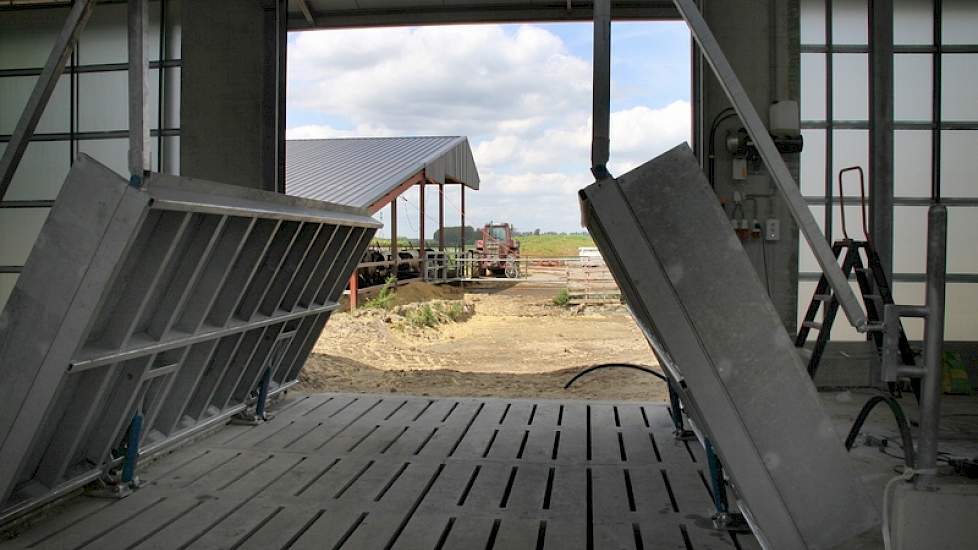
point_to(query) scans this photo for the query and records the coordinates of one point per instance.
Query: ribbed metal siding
(359, 171)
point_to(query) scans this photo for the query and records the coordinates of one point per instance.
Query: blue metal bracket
(723, 518)
(266, 380)
(261, 403)
(676, 414)
(716, 479)
(132, 451)
(110, 486)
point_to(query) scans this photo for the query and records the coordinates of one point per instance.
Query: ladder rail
(850, 260)
(875, 291)
(821, 289)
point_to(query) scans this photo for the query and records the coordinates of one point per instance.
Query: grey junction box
(170, 300)
(695, 294)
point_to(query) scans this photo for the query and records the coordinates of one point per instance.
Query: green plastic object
(956, 381)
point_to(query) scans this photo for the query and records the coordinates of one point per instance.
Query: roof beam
(304, 8)
(418, 177)
(514, 11)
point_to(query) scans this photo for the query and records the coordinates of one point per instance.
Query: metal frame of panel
(169, 300)
(706, 314)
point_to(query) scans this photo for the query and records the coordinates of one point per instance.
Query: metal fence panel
(170, 300)
(694, 292)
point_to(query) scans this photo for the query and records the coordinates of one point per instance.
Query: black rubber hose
(909, 457)
(593, 368)
(711, 145)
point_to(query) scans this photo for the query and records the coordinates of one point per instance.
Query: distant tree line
(453, 235)
(538, 232)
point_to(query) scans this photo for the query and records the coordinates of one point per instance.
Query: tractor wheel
(512, 268)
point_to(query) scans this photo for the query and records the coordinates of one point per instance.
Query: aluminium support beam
(772, 159)
(139, 140)
(601, 94)
(43, 88)
(930, 397)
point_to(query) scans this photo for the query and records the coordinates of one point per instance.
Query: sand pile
(410, 293)
(501, 345)
(422, 292)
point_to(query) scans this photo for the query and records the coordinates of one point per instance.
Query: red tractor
(497, 252)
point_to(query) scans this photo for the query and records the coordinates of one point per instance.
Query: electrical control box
(772, 229)
(785, 118)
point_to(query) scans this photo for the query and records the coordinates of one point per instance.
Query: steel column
(601, 99)
(421, 214)
(441, 217)
(139, 120)
(394, 257)
(829, 130)
(930, 398)
(273, 95)
(936, 116)
(462, 217)
(881, 131)
(354, 290)
(43, 89)
(422, 264)
(772, 159)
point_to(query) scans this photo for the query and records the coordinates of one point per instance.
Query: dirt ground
(504, 343)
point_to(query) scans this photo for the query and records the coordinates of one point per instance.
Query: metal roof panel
(360, 171)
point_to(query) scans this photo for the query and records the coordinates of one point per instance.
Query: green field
(553, 246)
(536, 246)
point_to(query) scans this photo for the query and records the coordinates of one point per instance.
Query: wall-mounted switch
(739, 167)
(772, 229)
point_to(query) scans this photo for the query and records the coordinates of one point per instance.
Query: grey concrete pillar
(232, 88)
(760, 39)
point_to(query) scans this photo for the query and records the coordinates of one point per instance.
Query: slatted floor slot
(399, 472)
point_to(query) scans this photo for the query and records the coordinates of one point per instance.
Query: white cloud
(637, 135)
(517, 92)
(459, 79)
(325, 131)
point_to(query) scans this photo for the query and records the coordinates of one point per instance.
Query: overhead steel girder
(698, 299)
(168, 300)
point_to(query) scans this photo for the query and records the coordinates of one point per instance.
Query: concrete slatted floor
(389, 471)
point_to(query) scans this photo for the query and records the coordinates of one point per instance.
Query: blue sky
(521, 93)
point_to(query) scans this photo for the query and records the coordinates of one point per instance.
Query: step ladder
(873, 287)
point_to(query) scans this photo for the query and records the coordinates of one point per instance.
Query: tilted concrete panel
(694, 292)
(170, 300)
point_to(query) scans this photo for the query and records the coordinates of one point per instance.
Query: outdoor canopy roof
(363, 172)
(322, 14)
